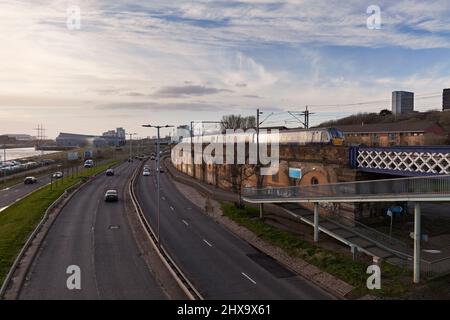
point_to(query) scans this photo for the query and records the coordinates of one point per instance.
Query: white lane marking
(209, 244)
(163, 198)
(248, 278)
(4, 208)
(185, 222)
(6, 189)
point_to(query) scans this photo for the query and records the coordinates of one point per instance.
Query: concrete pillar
(261, 210)
(417, 238)
(316, 222)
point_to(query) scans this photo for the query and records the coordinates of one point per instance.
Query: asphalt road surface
(220, 265)
(95, 236)
(10, 195)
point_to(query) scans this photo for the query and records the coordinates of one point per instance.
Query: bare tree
(239, 173)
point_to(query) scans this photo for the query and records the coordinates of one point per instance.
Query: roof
(419, 126)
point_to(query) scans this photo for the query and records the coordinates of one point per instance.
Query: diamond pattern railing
(404, 161)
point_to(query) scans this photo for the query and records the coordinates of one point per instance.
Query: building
(114, 137)
(20, 137)
(402, 102)
(179, 133)
(394, 134)
(446, 100)
(108, 138)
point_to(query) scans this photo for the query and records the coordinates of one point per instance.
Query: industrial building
(109, 138)
(402, 102)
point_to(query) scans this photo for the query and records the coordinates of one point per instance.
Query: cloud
(154, 106)
(187, 91)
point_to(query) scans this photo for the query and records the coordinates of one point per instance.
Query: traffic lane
(10, 195)
(73, 241)
(219, 270)
(212, 277)
(121, 272)
(282, 283)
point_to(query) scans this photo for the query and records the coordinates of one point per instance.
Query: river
(20, 153)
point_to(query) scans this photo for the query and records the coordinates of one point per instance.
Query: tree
(385, 112)
(235, 122)
(239, 173)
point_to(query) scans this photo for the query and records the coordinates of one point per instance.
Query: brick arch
(315, 174)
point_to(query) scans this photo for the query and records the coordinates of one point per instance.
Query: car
(89, 163)
(110, 172)
(152, 158)
(47, 162)
(57, 175)
(29, 180)
(161, 169)
(146, 173)
(146, 167)
(111, 195)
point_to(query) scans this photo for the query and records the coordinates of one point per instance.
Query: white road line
(163, 198)
(253, 281)
(209, 244)
(185, 222)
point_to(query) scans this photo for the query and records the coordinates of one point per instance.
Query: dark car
(110, 172)
(111, 195)
(29, 180)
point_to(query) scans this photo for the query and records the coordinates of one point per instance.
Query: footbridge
(402, 161)
(413, 189)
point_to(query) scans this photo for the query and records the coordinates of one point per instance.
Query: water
(19, 153)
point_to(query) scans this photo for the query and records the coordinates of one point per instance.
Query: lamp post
(158, 160)
(131, 142)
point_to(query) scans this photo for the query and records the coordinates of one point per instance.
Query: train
(328, 136)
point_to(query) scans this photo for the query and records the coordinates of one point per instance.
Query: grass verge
(395, 281)
(19, 220)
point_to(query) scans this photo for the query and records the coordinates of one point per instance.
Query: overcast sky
(170, 62)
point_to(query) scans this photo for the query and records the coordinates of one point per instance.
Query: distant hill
(442, 118)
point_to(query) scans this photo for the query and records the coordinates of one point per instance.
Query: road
(220, 265)
(10, 195)
(95, 236)
(14, 193)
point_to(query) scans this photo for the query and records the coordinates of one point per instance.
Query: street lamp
(131, 142)
(157, 178)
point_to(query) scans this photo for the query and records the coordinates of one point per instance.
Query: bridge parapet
(404, 161)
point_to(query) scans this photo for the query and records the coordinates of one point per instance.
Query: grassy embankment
(395, 281)
(19, 220)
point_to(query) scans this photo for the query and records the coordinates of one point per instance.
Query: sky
(129, 63)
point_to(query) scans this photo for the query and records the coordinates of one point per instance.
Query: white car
(57, 175)
(146, 173)
(89, 163)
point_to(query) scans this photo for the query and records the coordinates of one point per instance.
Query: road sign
(71, 156)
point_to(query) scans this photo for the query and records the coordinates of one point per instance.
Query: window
(392, 136)
(314, 181)
(275, 177)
